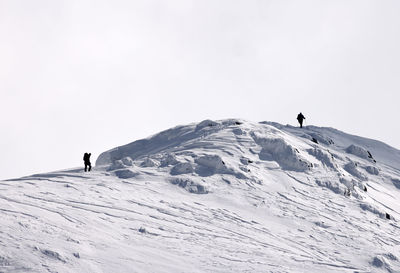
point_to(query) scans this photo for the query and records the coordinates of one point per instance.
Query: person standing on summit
(86, 160)
(300, 119)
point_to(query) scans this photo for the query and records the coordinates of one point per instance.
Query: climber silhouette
(86, 160)
(300, 119)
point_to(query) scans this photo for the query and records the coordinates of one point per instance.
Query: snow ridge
(214, 196)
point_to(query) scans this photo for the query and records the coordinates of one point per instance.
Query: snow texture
(214, 196)
(372, 170)
(351, 167)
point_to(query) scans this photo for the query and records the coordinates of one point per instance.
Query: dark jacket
(300, 117)
(86, 157)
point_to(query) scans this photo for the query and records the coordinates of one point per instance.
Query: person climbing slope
(86, 160)
(300, 119)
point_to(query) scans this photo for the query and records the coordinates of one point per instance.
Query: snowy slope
(217, 196)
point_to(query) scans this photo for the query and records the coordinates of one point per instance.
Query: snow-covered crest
(217, 196)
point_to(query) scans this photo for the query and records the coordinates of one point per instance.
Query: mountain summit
(214, 196)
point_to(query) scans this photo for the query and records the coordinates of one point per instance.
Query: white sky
(87, 76)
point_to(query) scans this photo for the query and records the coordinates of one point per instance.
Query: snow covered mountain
(217, 196)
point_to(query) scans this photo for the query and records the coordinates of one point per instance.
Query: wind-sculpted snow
(276, 149)
(168, 159)
(396, 182)
(125, 173)
(351, 167)
(148, 162)
(359, 151)
(182, 168)
(190, 185)
(334, 185)
(319, 138)
(217, 196)
(165, 141)
(373, 209)
(325, 157)
(372, 170)
(383, 262)
(380, 151)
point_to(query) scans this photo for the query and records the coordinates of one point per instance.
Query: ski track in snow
(241, 207)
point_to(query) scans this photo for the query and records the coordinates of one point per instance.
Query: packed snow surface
(217, 196)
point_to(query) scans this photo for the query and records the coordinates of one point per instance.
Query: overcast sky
(87, 76)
